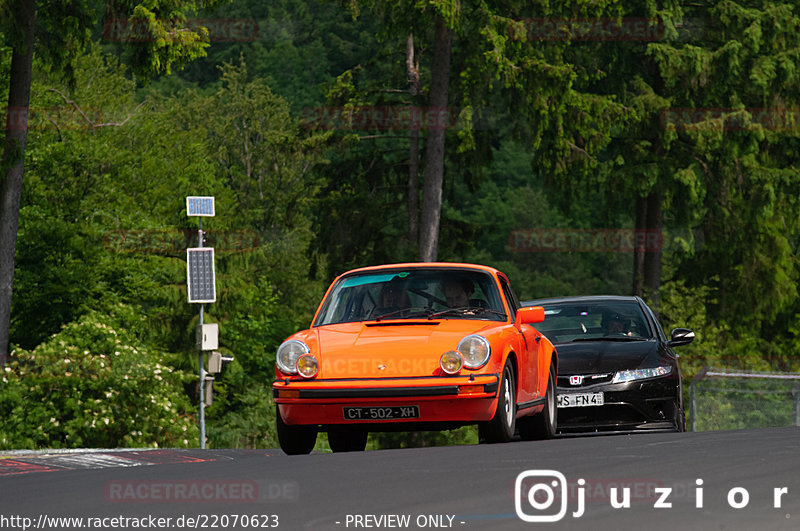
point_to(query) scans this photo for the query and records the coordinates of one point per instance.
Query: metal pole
(201, 207)
(692, 413)
(201, 361)
(692, 402)
(796, 396)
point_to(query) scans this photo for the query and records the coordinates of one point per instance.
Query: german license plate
(381, 413)
(580, 399)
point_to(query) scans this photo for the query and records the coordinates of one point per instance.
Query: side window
(513, 303)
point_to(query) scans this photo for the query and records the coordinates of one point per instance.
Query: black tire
(347, 439)
(503, 425)
(543, 425)
(294, 440)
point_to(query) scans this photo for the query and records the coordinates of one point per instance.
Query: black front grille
(610, 415)
(587, 380)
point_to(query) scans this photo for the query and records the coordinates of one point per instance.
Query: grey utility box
(208, 336)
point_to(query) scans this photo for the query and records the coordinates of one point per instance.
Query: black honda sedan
(617, 370)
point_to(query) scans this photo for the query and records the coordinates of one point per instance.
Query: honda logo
(575, 380)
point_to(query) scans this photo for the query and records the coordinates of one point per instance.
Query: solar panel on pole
(200, 274)
(200, 206)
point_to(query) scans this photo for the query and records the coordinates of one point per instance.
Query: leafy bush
(93, 385)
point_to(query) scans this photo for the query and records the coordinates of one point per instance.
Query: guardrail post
(692, 405)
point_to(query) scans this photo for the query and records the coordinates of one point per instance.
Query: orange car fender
(525, 370)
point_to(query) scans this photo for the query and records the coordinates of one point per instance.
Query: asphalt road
(749, 480)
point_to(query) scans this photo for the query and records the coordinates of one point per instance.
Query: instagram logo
(540, 490)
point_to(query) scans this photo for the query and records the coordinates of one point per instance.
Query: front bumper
(471, 398)
(631, 406)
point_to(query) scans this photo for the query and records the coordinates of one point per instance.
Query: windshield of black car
(566, 322)
(412, 293)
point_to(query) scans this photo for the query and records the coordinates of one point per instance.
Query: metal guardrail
(707, 372)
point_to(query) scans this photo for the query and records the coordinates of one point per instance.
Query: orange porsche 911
(419, 346)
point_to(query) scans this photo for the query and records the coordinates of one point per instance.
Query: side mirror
(529, 315)
(680, 337)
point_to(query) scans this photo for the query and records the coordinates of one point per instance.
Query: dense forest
(582, 147)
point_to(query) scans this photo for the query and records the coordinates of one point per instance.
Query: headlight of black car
(640, 374)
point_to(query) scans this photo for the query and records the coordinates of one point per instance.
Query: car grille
(608, 416)
(587, 380)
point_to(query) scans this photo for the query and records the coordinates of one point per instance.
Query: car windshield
(565, 322)
(413, 293)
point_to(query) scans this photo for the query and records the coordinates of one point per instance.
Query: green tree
(102, 223)
(60, 31)
(84, 233)
(484, 63)
(739, 155)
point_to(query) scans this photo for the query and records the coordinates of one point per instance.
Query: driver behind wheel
(615, 324)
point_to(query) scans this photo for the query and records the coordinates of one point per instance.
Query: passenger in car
(392, 297)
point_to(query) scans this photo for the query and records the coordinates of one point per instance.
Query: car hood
(390, 348)
(597, 357)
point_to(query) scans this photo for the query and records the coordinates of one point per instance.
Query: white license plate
(381, 413)
(580, 399)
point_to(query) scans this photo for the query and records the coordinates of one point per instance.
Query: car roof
(422, 265)
(582, 298)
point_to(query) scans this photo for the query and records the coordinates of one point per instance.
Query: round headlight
(288, 352)
(476, 351)
(307, 366)
(451, 362)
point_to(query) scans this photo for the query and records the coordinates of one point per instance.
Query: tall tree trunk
(652, 260)
(434, 153)
(16, 134)
(412, 68)
(640, 230)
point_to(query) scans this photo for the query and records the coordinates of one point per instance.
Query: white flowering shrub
(93, 385)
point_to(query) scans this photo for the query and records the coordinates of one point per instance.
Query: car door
(526, 348)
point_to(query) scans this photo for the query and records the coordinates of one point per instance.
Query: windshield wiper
(466, 310)
(412, 313)
(389, 314)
